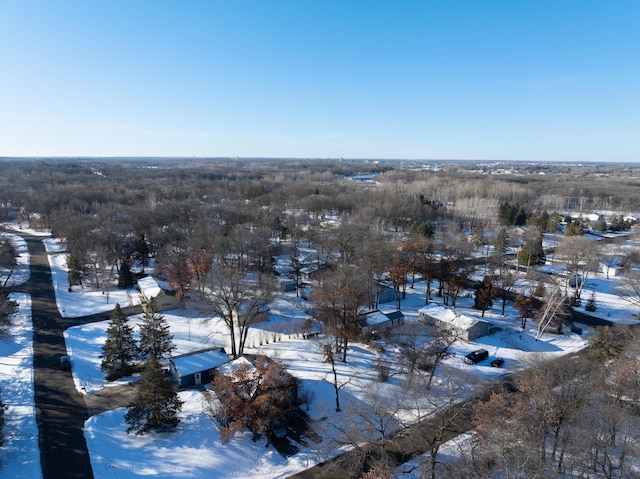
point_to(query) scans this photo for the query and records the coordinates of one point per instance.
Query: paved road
(60, 409)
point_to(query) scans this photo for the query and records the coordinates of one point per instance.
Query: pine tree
(142, 252)
(125, 277)
(155, 339)
(120, 349)
(156, 405)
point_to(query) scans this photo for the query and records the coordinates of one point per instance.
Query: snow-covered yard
(196, 441)
(195, 449)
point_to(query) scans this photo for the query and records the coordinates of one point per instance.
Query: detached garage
(198, 367)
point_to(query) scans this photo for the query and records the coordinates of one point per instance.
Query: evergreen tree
(156, 405)
(520, 218)
(142, 252)
(120, 349)
(532, 252)
(574, 228)
(500, 246)
(75, 269)
(601, 225)
(125, 277)
(155, 339)
(421, 229)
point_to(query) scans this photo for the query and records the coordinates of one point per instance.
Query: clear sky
(548, 80)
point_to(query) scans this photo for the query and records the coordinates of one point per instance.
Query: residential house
(465, 327)
(255, 311)
(159, 290)
(375, 321)
(197, 367)
(612, 266)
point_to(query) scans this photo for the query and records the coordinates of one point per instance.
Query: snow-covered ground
(20, 457)
(195, 450)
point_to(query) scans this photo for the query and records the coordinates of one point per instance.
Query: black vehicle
(497, 362)
(277, 429)
(65, 362)
(476, 356)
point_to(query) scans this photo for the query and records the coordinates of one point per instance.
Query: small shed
(466, 327)
(197, 367)
(288, 284)
(375, 321)
(159, 290)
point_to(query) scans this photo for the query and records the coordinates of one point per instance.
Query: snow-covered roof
(259, 306)
(372, 318)
(229, 368)
(199, 361)
(459, 321)
(151, 287)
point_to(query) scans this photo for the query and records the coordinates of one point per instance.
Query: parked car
(497, 362)
(476, 356)
(65, 362)
(277, 429)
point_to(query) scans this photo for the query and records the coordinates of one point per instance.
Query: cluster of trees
(575, 417)
(253, 395)
(8, 263)
(567, 418)
(156, 405)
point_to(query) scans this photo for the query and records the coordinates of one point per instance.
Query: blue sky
(525, 80)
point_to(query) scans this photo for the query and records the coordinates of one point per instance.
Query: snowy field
(195, 450)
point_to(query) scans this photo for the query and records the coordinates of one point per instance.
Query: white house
(158, 290)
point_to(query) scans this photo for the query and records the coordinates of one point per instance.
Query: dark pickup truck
(476, 356)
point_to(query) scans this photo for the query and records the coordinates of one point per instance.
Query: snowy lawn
(195, 449)
(20, 451)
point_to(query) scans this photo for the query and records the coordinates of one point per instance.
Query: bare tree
(580, 256)
(338, 301)
(238, 299)
(630, 288)
(433, 431)
(555, 310)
